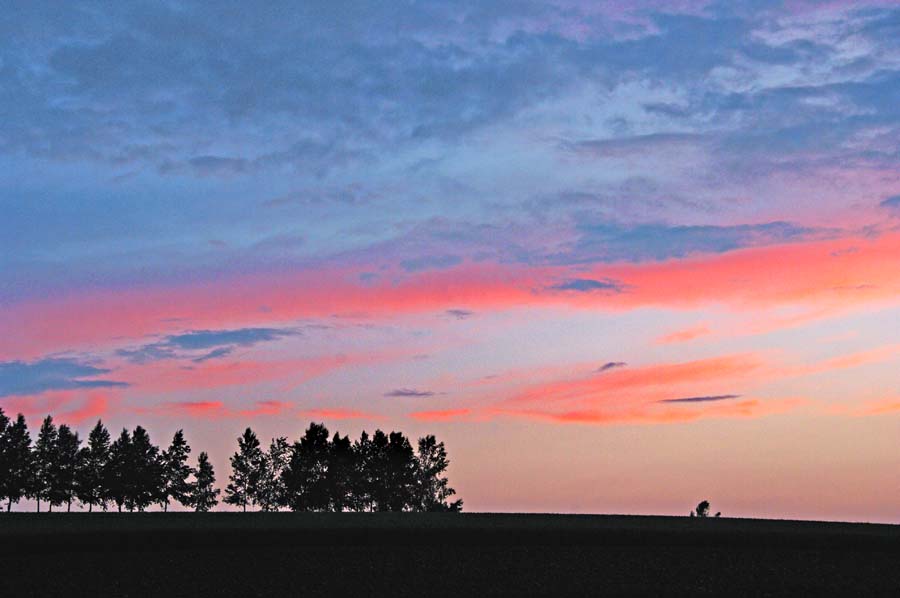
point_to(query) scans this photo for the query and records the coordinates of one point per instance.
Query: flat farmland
(297, 554)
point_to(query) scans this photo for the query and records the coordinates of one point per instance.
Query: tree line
(315, 473)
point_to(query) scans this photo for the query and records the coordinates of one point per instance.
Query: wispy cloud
(682, 336)
(589, 285)
(409, 392)
(459, 314)
(703, 399)
(213, 410)
(891, 203)
(214, 343)
(25, 378)
(611, 365)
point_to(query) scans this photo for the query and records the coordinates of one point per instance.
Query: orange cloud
(441, 416)
(681, 336)
(653, 382)
(654, 414)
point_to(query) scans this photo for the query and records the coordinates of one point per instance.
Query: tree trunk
(245, 507)
(166, 507)
(69, 506)
(9, 505)
(90, 507)
(120, 508)
(38, 505)
(49, 507)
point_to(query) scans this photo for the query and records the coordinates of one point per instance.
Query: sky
(619, 256)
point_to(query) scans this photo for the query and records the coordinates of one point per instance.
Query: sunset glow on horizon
(619, 256)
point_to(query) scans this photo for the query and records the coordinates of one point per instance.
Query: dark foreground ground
(362, 555)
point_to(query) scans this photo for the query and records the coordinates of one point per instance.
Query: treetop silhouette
(318, 472)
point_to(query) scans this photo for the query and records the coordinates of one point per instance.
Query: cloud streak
(704, 399)
(30, 378)
(215, 344)
(409, 393)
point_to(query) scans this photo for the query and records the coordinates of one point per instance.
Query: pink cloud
(66, 406)
(337, 413)
(821, 274)
(214, 409)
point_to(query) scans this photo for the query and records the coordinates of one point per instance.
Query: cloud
(214, 354)
(215, 343)
(611, 365)
(704, 399)
(891, 203)
(655, 242)
(459, 314)
(409, 392)
(23, 378)
(645, 416)
(589, 285)
(682, 336)
(213, 410)
(243, 337)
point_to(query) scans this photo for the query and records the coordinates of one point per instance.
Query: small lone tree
(246, 465)
(203, 491)
(702, 510)
(176, 472)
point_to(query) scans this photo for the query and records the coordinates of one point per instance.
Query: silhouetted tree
(270, 488)
(402, 473)
(702, 509)
(203, 491)
(381, 473)
(176, 471)
(246, 465)
(4, 457)
(434, 489)
(145, 476)
(361, 477)
(378, 472)
(387, 474)
(90, 479)
(19, 462)
(116, 475)
(64, 468)
(45, 455)
(305, 477)
(341, 465)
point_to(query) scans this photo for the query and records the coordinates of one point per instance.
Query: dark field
(282, 554)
